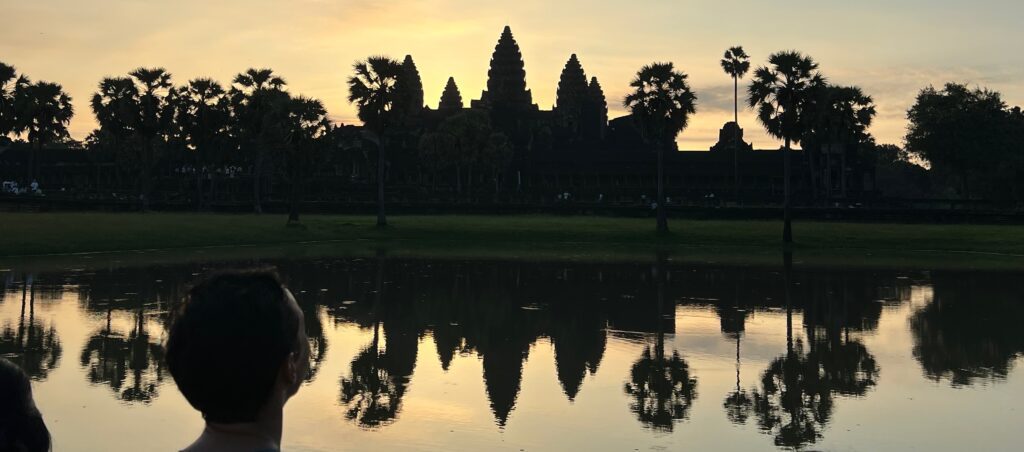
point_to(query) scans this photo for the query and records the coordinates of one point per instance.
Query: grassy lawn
(26, 234)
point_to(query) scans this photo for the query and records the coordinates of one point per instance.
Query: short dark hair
(228, 341)
(21, 426)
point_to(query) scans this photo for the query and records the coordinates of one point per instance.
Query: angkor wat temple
(573, 148)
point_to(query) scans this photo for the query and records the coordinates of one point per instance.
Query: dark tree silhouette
(307, 133)
(258, 102)
(968, 135)
(374, 92)
(9, 82)
(736, 63)
(661, 102)
(783, 93)
(970, 331)
(32, 345)
(839, 117)
(204, 117)
(43, 112)
(142, 107)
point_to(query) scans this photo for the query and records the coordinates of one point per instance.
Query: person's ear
(292, 369)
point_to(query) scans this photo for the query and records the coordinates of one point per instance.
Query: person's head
(21, 425)
(237, 346)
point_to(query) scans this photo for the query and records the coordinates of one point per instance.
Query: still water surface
(418, 354)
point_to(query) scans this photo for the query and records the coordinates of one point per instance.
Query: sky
(890, 48)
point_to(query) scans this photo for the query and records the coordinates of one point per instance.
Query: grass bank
(28, 234)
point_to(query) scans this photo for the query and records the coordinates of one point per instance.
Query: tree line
(965, 142)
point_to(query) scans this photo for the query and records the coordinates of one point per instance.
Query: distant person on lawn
(238, 350)
(21, 426)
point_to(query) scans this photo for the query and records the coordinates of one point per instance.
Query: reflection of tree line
(971, 330)
(498, 310)
(31, 344)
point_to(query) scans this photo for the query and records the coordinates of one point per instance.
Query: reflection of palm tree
(33, 347)
(795, 400)
(109, 356)
(662, 389)
(738, 403)
(372, 397)
(372, 393)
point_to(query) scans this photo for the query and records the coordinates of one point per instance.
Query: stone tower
(506, 79)
(451, 98)
(596, 113)
(572, 86)
(410, 87)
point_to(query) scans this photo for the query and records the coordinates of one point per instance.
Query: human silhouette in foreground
(240, 391)
(21, 426)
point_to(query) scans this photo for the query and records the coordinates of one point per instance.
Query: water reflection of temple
(497, 312)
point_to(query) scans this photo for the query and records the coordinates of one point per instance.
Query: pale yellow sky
(891, 48)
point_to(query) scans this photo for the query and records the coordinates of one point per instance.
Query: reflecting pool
(450, 354)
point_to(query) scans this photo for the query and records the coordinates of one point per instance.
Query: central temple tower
(506, 79)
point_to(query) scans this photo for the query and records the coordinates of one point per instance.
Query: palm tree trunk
(735, 144)
(257, 173)
(662, 214)
(736, 100)
(381, 220)
(787, 226)
(787, 268)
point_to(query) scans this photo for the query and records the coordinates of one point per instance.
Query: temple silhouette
(572, 148)
(576, 148)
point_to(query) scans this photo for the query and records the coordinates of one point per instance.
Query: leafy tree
(373, 89)
(661, 102)
(204, 116)
(43, 111)
(783, 94)
(258, 100)
(736, 63)
(968, 135)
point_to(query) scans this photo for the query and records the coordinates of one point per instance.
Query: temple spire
(506, 79)
(410, 86)
(600, 106)
(572, 86)
(451, 99)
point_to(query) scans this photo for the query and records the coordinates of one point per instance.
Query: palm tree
(783, 93)
(661, 103)
(373, 90)
(736, 63)
(156, 118)
(8, 86)
(307, 127)
(44, 111)
(257, 102)
(203, 116)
